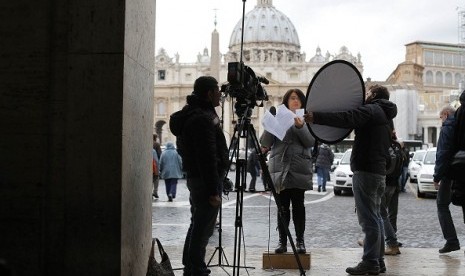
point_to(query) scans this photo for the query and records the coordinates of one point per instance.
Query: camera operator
(290, 168)
(202, 146)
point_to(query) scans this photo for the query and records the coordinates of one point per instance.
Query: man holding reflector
(371, 123)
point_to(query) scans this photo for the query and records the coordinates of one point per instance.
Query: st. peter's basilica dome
(265, 24)
(269, 36)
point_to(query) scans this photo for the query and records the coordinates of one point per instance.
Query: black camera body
(244, 85)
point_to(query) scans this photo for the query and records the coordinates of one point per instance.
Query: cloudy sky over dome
(378, 29)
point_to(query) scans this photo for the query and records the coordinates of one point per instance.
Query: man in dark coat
(371, 123)
(202, 146)
(444, 153)
(458, 187)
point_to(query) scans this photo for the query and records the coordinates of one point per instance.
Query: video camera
(244, 85)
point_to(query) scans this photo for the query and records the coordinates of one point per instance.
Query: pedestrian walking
(155, 173)
(324, 160)
(404, 175)
(156, 153)
(170, 169)
(253, 167)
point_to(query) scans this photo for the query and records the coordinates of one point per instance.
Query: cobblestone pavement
(331, 233)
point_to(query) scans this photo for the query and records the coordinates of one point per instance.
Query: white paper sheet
(279, 124)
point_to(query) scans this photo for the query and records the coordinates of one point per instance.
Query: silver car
(343, 175)
(415, 165)
(425, 174)
(337, 159)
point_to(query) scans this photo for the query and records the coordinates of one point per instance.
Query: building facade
(271, 48)
(431, 77)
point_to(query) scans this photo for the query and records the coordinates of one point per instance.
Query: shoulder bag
(162, 268)
(457, 166)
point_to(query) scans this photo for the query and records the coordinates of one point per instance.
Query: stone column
(425, 135)
(76, 96)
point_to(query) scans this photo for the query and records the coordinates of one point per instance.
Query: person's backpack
(395, 160)
(458, 193)
(154, 167)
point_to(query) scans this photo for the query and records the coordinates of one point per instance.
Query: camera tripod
(219, 249)
(244, 129)
(240, 174)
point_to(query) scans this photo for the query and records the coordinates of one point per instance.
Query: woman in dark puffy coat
(290, 167)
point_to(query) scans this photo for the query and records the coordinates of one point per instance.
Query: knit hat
(203, 84)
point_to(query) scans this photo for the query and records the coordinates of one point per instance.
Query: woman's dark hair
(299, 93)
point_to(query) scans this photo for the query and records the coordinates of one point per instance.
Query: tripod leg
(219, 248)
(238, 222)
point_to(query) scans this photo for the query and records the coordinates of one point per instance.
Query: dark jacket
(253, 166)
(325, 157)
(393, 179)
(445, 149)
(290, 162)
(372, 133)
(201, 143)
(405, 156)
(459, 140)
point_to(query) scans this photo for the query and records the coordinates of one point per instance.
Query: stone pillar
(216, 55)
(227, 125)
(76, 123)
(425, 135)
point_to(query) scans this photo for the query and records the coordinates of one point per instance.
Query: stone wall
(76, 82)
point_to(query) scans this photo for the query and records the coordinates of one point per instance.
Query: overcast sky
(377, 29)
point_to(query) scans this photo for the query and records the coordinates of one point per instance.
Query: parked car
(343, 175)
(415, 165)
(232, 159)
(425, 174)
(337, 159)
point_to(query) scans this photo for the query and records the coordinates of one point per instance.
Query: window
(438, 59)
(429, 58)
(269, 75)
(432, 99)
(188, 76)
(448, 79)
(457, 79)
(293, 76)
(161, 74)
(448, 59)
(439, 80)
(457, 60)
(429, 77)
(160, 107)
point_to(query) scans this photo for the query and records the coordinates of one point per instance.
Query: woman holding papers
(290, 167)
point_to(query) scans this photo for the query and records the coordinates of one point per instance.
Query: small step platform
(285, 260)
